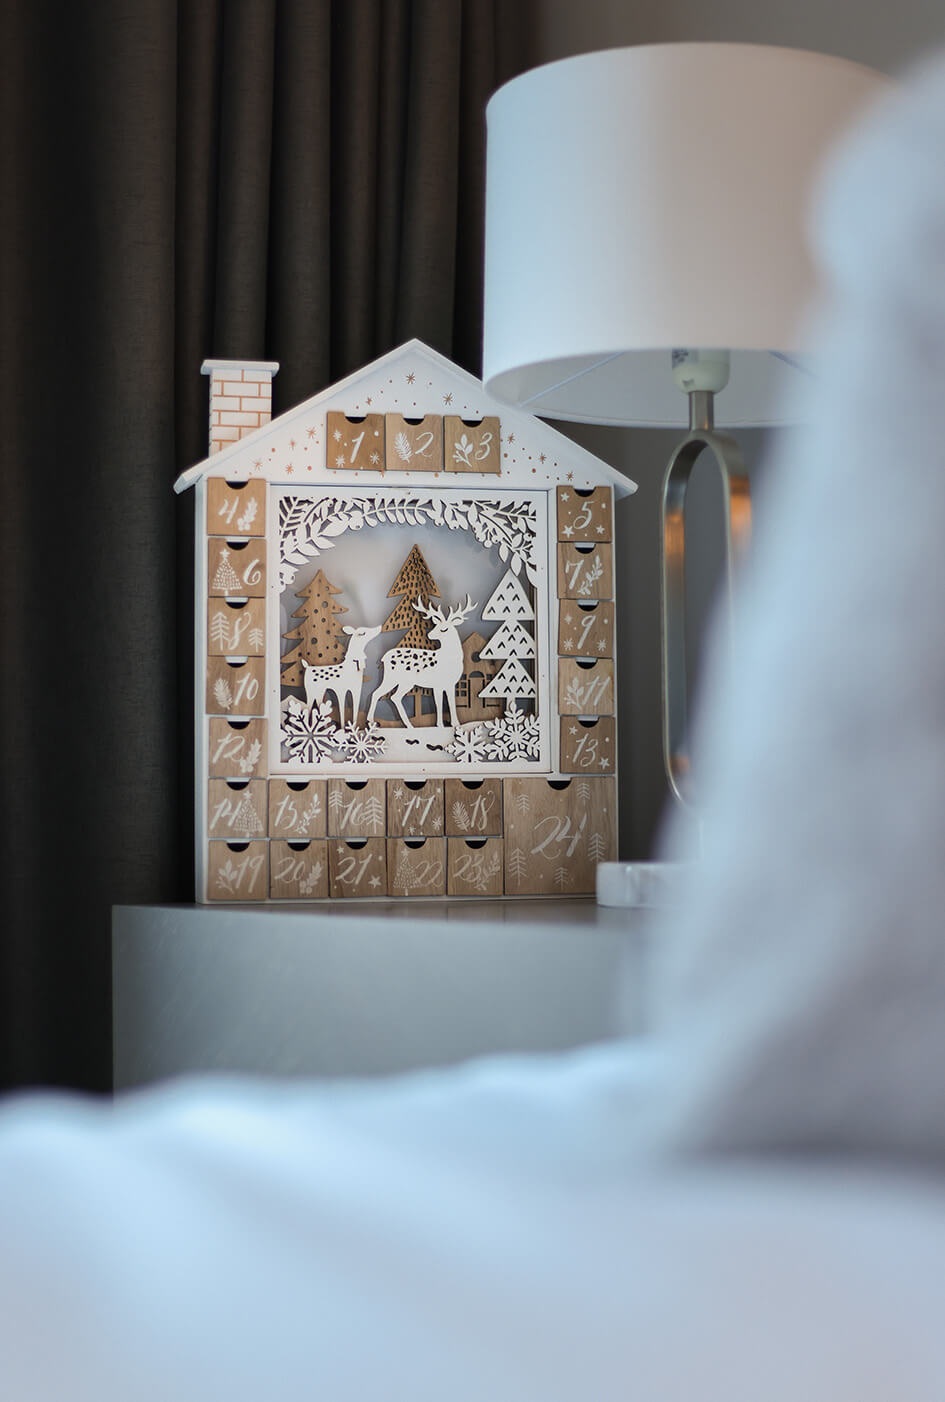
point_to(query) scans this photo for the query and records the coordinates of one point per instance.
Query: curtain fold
(296, 180)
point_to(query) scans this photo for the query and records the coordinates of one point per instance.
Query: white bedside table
(350, 989)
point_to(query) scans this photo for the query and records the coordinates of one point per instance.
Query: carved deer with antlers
(440, 669)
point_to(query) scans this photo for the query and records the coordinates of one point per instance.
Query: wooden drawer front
(235, 689)
(416, 866)
(237, 871)
(586, 629)
(236, 569)
(588, 747)
(475, 866)
(354, 443)
(237, 749)
(556, 831)
(236, 629)
(473, 807)
(414, 445)
(585, 572)
(356, 808)
(298, 871)
(585, 515)
(415, 807)
(297, 810)
(585, 688)
(357, 868)
(471, 446)
(236, 509)
(237, 810)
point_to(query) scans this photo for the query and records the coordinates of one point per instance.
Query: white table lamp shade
(649, 198)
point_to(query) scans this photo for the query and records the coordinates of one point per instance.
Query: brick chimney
(240, 398)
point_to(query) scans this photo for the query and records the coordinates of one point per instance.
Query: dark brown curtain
(297, 180)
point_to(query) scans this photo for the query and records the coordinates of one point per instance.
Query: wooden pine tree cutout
(416, 586)
(318, 636)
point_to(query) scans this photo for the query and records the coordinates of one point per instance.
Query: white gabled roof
(412, 380)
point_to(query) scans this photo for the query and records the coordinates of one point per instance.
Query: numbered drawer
(585, 515)
(297, 810)
(237, 748)
(585, 572)
(298, 871)
(475, 866)
(236, 629)
(237, 809)
(471, 445)
(473, 807)
(237, 871)
(236, 569)
(416, 866)
(588, 746)
(415, 807)
(414, 445)
(357, 868)
(236, 508)
(355, 443)
(585, 688)
(235, 688)
(356, 808)
(586, 629)
(556, 831)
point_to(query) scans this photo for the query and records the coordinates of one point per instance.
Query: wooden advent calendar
(405, 642)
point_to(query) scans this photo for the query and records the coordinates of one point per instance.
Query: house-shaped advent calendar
(405, 642)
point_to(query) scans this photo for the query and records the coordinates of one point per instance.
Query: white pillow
(803, 989)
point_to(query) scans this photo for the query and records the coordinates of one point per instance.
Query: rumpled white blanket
(583, 1229)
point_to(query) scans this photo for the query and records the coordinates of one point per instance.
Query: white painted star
(603, 762)
(567, 530)
(374, 881)
(572, 730)
(565, 496)
(568, 619)
(600, 530)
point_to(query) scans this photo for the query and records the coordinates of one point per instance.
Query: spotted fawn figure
(439, 669)
(345, 679)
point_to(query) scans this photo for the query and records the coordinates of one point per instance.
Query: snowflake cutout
(310, 736)
(513, 737)
(362, 746)
(468, 745)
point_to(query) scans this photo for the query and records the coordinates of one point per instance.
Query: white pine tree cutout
(509, 600)
(523, 803)
(518, 864)
(563, 878)
(256, 638)
(596, 847)
(510, 640)
(245, 820)
(511, 681)
(226, 580)
(219, 630)
(374, 813)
